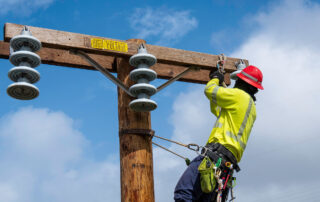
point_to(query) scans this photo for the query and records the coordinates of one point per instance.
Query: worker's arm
(215, 109)
(219, 96)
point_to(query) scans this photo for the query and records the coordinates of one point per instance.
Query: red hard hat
(252, 75)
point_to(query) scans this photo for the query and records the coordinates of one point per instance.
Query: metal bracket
(191, 68)
(102, 70)
(137, 131)
(118, 82)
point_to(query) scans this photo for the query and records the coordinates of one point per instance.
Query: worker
(236, 112)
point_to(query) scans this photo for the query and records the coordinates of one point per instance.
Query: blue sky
(63, 146)
(90, 98)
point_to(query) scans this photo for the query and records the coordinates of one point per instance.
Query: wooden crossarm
(56, 46)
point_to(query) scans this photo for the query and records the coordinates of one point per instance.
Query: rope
(217, 175)
(191, 146)
(178, 143)
(168, 150)
(162, 147)
(151, 133)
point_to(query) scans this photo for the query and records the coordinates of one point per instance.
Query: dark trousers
(188, 188)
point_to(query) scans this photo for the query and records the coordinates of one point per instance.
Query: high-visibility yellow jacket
(235, 111)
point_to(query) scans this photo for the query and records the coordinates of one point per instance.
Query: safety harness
(225, 164)
(216, 151)
(217, 166)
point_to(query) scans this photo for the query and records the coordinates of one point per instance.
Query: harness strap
(215, 150)
(142, 132)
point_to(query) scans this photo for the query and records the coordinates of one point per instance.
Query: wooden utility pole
(135, 149)
(136, 162)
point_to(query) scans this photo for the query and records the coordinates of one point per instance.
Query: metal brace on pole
(118, 82)
(177, 77)
(102, 70)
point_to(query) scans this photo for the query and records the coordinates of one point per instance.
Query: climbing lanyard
(192, 146)
(226, 184)
(186, 159)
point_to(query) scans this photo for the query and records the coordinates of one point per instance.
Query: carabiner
(196, 147)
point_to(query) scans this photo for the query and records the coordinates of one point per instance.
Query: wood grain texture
(4, 50)
(67, 40)
(62, 57)
(136, 162)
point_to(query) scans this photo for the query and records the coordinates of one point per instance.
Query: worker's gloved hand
(216, 74)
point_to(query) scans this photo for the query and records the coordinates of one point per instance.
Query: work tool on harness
(207, 171)
(216, 150)
(231, 189)
(220, 66)
(223, 168)
(228, 164)
(228, 176)
(218, 162)
(225, 183)
(219, 195)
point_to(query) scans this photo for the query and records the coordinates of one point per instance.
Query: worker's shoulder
(241, 94)
(236, 90)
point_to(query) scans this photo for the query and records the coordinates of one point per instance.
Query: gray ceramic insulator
(143, 72)
(143, 105)
(25, 39)
(142, 57)
(23, 90)
(16, 73)
(142, 88)
(22, 48)
(20, 56)
(142, 75)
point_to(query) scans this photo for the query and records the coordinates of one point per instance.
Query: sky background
(63, 146)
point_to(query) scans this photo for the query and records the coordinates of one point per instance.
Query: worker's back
(235, 111)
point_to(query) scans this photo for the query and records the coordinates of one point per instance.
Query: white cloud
(22, 7)
(163, 25)
(282, 153)
(43, 158)
(192, 125)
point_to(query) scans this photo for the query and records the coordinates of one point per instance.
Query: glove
(216, 74)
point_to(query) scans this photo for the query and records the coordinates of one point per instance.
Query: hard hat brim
(249, 81)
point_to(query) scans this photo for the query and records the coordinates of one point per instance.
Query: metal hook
(193, 147)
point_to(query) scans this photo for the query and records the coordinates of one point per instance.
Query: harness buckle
(203, 151)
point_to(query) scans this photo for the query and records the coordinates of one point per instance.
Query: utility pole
(135, 149)
(136, 164)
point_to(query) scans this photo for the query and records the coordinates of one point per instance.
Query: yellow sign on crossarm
(105, 44)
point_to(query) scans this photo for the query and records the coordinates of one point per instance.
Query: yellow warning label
(109, 45)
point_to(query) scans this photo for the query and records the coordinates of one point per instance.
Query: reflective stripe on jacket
(235, 111)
